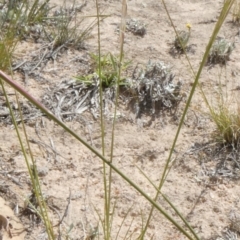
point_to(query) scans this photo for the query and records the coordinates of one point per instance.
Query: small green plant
(182, 38)
(109, 71)
(220, 51)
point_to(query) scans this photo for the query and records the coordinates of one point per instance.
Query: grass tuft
(227, 123)
(67, 27)
(17, 21)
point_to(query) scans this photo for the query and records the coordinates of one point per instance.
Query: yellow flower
(189, 26)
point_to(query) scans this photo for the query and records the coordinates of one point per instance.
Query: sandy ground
(68, 169)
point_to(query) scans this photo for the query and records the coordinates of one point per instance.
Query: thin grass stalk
(170, 203)
(225, 10)
(98, 232)
(14, 121)
(36, 185)
(34, 11)
(129, 227)
(100, 79)
(99, 217)
(180, 215)
(9, 8)
(17, 130)
(107, 199)
(122, 31)
(142, 218)
(216, 115)
(86, 31)
(49, 114)
(120, 227)
(112, 215)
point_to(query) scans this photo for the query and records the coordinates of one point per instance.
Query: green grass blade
(129, 227)
(107, 202)
(34, 179)
(117, 69)
(125, 217)
(170, 203)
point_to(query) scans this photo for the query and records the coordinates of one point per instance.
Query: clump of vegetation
(226, 116)
(227, 125)
(220, 51)
(182, 38)
(64, 28)
(155, 88)
(19, 20)
(24, 18)
(151, 88)
(71, 98)
(35, 20)
(136, 27)
(104, 68)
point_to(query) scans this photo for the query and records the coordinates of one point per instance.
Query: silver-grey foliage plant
(156, 88)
